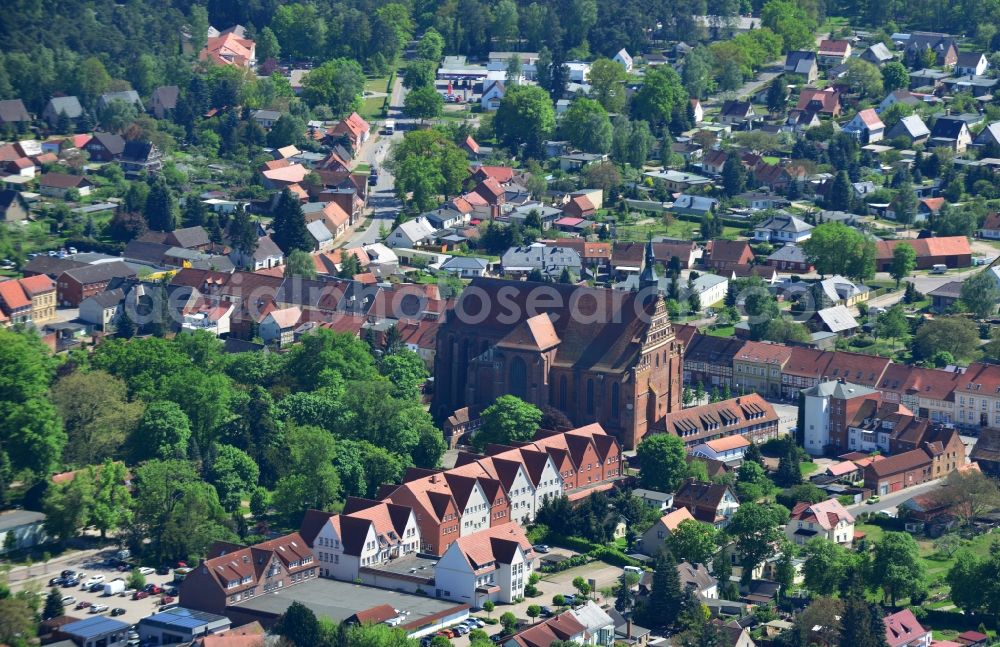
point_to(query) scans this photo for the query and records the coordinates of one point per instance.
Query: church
(597, 355)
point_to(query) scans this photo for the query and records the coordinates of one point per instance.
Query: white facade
(817, 424)
(550, 485)
(336, 563)
(476, 515)
(456, 580)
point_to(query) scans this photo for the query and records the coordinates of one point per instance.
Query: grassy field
(723, 331)
(655, 226)
(807, 468)
(372, 107)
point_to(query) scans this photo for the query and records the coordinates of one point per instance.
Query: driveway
(890, 501)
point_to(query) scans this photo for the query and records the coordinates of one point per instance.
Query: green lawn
(372, 107)
(723, 331)
(378, 84)
(807, 468)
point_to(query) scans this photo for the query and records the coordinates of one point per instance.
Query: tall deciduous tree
(525, 118)
(663, 462)
(755, 528)
(896, 567)
(337, 83)
(607, 78)
(980, 293)
(835, 248)
(586, 125)
(904, 261)
(693, 541)
(507, 420)
(660, 93)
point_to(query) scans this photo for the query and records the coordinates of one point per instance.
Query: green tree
(980, 293)
(136, 580)
(17, 621)
(533, 611)
(861, 624)
(508, 419)
(31, 435)
(789, 21)
(840, 193)
(420, 74)
(752, 483)
(299, 625)
(430, 47)
(835, 248)
(895, 76)
(863, 77)
(423, 103)
(337, 83)
(696, 75)
(904, 261)
(789, 473)
(67, 506)
(111, 507)
(163, 432)
(755, 528)
(509, 622)
(607, 80)
(955, 335)
(586, 125)
(406, 371)
(777, 96)
(96, 414)
(525, 118)
(660, 93)
(161, 207)
(313, 481)
(427, 164)
(825, 565)
(896, 567)
(664, 602)
(234, 475)
(905, 203)
(693, 541)
(662, 458)
(299, 263)
(287, 130)
(488, 607)
(267, 45)
(289, 224)
(734, 176)
(53, 605)
(892, 324)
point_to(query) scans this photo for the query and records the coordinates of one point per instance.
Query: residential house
(103, 309)
(778, 177)
(265, 118)
(694, 205)
(711, 503)
(827, 519)
(576, 161)
(708, 360)
(593, 254)
(724, 255)
(971, 64)
(128, 97)
(903, 630)
(825, 103)
(411, 233)
(951, 133)
(989, 136)
(866, 127)
(75, 285)
(465, 267)
(944, 47)
(728, 450)
(977, 397)
(13, 113)
(365, 535)
(15, 305)
(951, 251)
(58, 185)
(713, 161)
(677, 181)
(758, 201)
(330, 214)
(141, 157)
(13, 206)
(833, 52)
(493, 93)
(686, 252)
(278, 326)
(41, 290)
(737, 113)
(757, 368)
(655, 538)
(588, 625)
(790, 258)
(550, 261)
(801, 120)
(353, 130)
(835, 319)
(493, 564)
(748, 415)
(944, 296)
(21, 529)
(105, 147)
(899, 472)
(164, 101)
(266, 256)
(912, 127)
(802, 64)
(697, 110)
(661, 501)
(877, 54)
(232, 573)
(624, 59)
(783, 228)
(230, 47)
(70, 106)
(990, 228)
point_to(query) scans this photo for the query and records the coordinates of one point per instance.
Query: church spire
(648, 277)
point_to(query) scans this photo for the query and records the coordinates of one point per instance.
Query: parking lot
(135, 610)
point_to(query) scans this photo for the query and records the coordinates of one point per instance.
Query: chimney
(628, 628)
(434, 478)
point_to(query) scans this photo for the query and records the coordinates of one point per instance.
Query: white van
(633, 569)
(939, 269)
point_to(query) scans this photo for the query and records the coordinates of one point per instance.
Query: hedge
(614, 557)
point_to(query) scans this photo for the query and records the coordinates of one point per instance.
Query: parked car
(166, 599)
(163, 570)
(56, 581)
(127, 593)
(98, 608)
(82, 604)
(68, 573)
(70, 583)
(118, 611)
(542, 548)
(545, 612)
(874, 498)
(146, 570)
(68, 600)
(140, 595)
(152, 589)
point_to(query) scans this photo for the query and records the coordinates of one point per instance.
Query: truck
(114, 587)
(390, 126)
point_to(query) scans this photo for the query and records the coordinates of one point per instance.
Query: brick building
(597, 355)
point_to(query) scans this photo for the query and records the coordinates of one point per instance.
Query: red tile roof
(941, 246)
(13, 296)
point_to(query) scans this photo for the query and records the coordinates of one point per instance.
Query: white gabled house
(367, 533)
(624, 58)
(493, 564)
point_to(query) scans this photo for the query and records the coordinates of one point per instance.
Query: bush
(614, 557)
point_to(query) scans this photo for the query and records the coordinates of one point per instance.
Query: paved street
(382, 202)
(890, 501)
